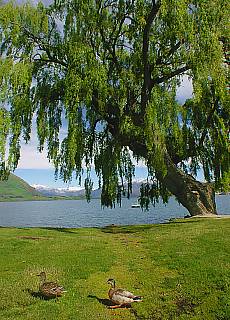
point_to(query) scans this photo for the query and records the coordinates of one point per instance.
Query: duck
(49, 289)
(121, 297)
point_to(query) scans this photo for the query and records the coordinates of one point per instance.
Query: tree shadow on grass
(140, 228)
(65, 230)
(185, 221)
(125, 229)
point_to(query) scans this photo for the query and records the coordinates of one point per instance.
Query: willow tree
(109, 71)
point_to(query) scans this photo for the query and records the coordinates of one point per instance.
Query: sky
(35, 168)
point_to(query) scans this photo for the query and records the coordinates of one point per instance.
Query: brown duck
(120, 297)
(49, 289)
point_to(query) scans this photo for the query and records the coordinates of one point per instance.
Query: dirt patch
(32, 238)
(184, 305)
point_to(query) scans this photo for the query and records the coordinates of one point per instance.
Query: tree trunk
(197, 197)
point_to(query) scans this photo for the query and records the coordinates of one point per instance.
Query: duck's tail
(60, 289)
(137, 299)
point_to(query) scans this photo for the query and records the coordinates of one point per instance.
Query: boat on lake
(136, 205)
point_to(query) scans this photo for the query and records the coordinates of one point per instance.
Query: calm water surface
(79, 213)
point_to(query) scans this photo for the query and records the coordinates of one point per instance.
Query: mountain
(78, 192)
(65, 192)
(17, 189)
(136, 188)
(59, 192)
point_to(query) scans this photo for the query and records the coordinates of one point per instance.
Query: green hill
(17, 189)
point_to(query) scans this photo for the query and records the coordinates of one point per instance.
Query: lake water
(79, 213)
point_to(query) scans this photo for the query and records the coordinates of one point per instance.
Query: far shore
(40, 199)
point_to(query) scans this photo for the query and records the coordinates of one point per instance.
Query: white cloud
(32, 159)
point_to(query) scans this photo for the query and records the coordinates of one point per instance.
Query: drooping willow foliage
(105, 73)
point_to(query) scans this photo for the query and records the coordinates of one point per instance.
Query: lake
(79, 213)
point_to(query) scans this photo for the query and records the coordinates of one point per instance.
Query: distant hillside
(17, 189)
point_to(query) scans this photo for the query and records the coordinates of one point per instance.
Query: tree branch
(209, 118)
(169, 76)
(45, 47)
(172, 50)
(145, 49)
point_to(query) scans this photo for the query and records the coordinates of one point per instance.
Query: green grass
(182, 269)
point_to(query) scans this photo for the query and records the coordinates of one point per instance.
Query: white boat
(135, 205)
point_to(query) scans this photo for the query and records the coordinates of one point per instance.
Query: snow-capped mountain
(80, 192)
(64, 192)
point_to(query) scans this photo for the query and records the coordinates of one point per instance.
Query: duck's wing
(52, 288)
(123, 297)
(125, 293)
(58, 289)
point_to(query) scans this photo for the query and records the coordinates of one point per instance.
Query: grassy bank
(16, 189)
(182, 269)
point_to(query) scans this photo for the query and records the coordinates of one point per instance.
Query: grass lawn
(182, 270)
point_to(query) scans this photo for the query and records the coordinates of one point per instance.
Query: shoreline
(218, 216)
(150, 225)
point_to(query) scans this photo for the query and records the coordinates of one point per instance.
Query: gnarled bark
(197, 197)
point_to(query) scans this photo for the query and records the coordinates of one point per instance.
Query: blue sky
(35, 168)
